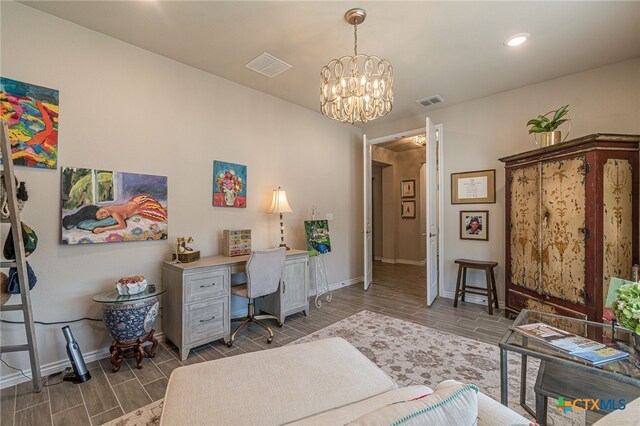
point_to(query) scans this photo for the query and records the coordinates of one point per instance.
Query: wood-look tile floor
(398, 291)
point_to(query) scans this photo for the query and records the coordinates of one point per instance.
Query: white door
(368, 241)
(431, 226)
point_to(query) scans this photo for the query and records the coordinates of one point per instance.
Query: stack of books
(581, 347)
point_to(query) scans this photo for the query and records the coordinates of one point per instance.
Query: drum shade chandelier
(359, 87)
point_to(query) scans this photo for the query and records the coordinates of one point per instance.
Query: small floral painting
(229, 184)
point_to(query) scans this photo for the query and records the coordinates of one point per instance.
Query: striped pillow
(451, 404)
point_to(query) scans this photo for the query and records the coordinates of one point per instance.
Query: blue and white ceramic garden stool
(130, 320)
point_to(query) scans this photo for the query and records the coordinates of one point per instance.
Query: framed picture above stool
(474, 225)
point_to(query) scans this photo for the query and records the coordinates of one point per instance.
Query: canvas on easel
(319, 244)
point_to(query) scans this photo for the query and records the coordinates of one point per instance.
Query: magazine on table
(560, 339)
(603, 356)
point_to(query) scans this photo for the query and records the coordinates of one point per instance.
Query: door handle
(432, 235)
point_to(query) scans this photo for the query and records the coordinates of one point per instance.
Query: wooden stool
(461, 285)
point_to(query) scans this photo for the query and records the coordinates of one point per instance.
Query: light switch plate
(329, 216)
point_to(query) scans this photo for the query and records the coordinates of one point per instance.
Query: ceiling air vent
(431, 100)
(268, 65)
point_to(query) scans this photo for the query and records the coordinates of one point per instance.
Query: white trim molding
(405, 261)
(471, 298)
(58, 366)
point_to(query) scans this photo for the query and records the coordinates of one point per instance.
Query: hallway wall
(401, 238)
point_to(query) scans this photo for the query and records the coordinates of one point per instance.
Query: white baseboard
(411, 262)
(471, 298)
(335, 286)
(404, 261)
(58, 366)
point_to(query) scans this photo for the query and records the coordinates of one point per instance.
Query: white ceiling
(453, 49)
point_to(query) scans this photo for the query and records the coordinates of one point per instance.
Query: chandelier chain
(355, 38)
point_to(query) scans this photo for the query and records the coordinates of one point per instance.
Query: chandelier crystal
(359, 87)
(420, 140)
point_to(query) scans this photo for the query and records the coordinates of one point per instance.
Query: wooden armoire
(571, 223)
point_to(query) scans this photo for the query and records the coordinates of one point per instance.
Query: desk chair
(264, 271)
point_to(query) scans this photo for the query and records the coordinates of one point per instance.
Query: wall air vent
(431, 100)
(268, 65)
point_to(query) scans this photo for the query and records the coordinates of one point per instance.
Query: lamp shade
(279, 203)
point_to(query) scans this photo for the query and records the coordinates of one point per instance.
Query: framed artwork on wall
(229, 184)
(32, 117)
(474, 225)
(408, 210)
(408, 188)
(104, 206)
(478, 187)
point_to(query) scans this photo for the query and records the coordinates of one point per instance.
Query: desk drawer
(204, 285)
(205, 320)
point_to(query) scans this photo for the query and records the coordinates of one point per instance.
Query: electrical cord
(52, 323)
(46, 380)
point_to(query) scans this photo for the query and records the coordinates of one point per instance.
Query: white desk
(196, 307)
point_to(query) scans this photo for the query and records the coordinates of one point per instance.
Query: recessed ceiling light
(517, 39)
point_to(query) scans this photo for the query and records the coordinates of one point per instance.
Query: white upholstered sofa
(326, 382)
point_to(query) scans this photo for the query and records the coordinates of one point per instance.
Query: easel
(322, 284)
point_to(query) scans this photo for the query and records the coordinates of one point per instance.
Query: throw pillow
(451, 404)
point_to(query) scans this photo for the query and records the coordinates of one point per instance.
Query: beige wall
(124, 108)
(402, 240)
(477, 133)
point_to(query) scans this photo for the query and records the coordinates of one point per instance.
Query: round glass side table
(130, 320)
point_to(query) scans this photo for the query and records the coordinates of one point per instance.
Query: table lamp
(279, 204)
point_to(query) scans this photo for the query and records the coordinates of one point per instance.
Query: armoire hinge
(584, 169)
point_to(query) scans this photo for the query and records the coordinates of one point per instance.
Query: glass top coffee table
(626, 371)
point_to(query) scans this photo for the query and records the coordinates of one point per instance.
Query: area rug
(414, 354)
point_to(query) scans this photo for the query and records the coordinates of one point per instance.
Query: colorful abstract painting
(31, 113)
(102, 206)
(229, 184)
(317, 233)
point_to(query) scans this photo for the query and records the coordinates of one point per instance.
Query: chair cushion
(239, 290)
(452, 403)
(276, 386)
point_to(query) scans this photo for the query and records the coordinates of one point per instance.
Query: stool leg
(455, 298)
(493, 286)
(464, 282)
(489, 291)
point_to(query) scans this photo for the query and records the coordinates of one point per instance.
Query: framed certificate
(477, 187)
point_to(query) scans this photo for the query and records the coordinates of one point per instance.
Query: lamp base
(285, 246)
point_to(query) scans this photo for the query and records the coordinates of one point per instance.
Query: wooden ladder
(20, 263)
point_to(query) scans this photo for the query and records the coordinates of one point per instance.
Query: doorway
(402, 201)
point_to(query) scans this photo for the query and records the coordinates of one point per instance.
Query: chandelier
(359, 87)
(420, 140)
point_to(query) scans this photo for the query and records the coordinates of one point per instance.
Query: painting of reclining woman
(101, 206)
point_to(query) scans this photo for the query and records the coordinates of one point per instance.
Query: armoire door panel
(563, 232)
(524, 227)
(617, 232)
